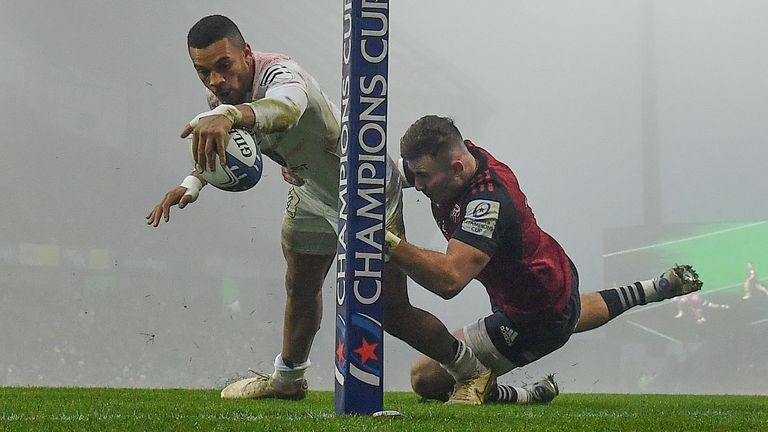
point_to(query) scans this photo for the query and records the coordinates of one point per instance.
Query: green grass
(68, 409)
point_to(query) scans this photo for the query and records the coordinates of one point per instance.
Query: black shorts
(522, 343)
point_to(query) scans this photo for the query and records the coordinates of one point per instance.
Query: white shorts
(310, 224)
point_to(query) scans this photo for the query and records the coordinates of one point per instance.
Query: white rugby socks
(285, 376)
(465, 365)
(510, 394)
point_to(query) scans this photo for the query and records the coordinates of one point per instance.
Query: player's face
(434, 178)
(225, 68)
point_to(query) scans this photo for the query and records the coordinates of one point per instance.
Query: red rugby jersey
(529, 275)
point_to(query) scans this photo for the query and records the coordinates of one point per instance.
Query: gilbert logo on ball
(243, 167)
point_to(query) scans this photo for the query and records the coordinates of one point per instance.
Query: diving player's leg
(304, 302)
(600, 307)
(502, 344)
(431, 381)
(303, 313)
(594, 312)
(415, 326)
(309, 248)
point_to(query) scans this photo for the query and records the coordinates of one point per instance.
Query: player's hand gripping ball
(243, 167)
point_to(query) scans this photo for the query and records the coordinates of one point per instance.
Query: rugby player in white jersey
(299, 128)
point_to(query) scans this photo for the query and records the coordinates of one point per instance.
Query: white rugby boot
(545, 390)
(262, 387)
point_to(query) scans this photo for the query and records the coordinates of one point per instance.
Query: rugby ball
(243, 167)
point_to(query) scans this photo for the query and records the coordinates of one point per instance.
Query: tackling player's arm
(469, 251)
(445, 274)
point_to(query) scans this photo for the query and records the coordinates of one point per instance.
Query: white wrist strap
(193, 185)
(229, 111)
(391, 242)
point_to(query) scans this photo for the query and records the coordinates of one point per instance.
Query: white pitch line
(671, 242)
(652, 331)
(759, 321)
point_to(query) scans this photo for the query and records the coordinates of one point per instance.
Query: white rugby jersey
(311, 148)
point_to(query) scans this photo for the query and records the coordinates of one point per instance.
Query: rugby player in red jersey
(493, 237)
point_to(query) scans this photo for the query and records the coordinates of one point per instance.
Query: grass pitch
(70, 409)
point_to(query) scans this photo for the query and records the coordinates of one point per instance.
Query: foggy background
(628, 123)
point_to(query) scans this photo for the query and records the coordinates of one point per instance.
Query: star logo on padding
(367, 351)
(340, 351)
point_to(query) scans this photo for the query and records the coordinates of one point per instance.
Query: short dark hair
(211, 29)
(429, 135)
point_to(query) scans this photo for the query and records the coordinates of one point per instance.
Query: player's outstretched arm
(279, 111)
(209, 130)
(182, 195)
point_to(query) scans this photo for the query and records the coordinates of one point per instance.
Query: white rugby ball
(244, 165)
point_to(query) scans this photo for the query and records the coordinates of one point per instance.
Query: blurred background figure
(695, 304)
(752, 281)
